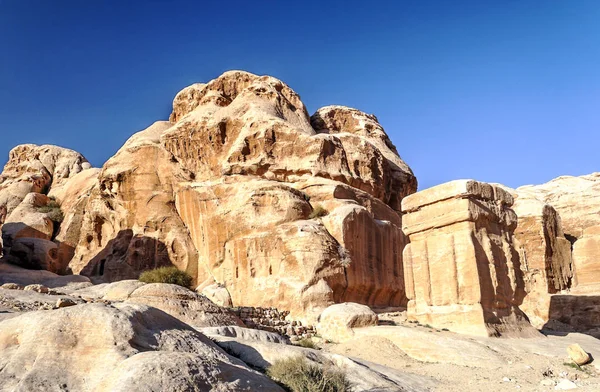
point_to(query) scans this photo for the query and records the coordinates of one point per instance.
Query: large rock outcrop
(577, 200)
(128, 222)
(32, 168)
(544, 252)
(132, 347)
(462, 267)
(243, 189)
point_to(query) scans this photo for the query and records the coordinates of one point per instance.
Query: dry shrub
(167, 275)
(299, 375)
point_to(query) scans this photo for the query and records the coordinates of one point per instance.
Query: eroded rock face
(32, 168)
(462, 267)
(577, 200)
(133, 347)
(129, 223)
(586, 261)
(545, 254)
(243, 187)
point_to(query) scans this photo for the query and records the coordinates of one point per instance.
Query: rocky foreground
(297, 230)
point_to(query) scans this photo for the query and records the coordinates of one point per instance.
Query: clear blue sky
(501, 91)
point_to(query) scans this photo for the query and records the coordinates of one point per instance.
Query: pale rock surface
(255, 240)
(10, 273)
(586, 261)
(133, 347)
(545, 254)
(233, 331)
(167, 198)
(462, 268)
(337, 322)
(577, 200)
(578, 354)
(73, 197)
(129, 223)
(183, 304)
(359, 131)
(362, 375)
(218, 294)
(32, 168)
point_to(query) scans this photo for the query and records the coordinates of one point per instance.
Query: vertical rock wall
(461, 266)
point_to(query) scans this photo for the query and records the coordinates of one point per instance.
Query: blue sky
(500, 91)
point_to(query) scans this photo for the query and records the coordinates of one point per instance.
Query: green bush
(317, 212)
(308, 343)
(299, 375)
(53, 211)
(167, 275)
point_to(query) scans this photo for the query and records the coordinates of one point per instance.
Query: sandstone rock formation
(577, 200)
(462, 267)
(133, 347)
(29, 228)
(586, 261)
(337, 322)
(32, 168)
(544, 252)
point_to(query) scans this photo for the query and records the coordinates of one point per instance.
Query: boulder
(133, 347)
(462, 267)
(33, 253)
(184, 304)
(338, 321)
(578, 354)
(218, 294)
(38, 288)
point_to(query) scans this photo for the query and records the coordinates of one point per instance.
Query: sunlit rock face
(285, 209)
(241, 188)
(462, 267)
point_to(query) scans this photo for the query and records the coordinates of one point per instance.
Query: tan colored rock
(578, 354)
(255, 239)
(363, 376)
(183, 304)
(32, 168)
(462, 268)
(33, 253)
(218, 295)
(357, 129)
(65, 302)
(133, 347)
(26, 220)
(545, 255)
(10, 273)
(257, 125)
(586, 261)
(338, 321)
(12, 286)
(37, 288)
(577, 200)
(226, 189)
(129, 222)
(73, 198)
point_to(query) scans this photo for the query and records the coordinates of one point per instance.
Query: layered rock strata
(461, 265)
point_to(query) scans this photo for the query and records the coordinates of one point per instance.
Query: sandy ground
(537, 364)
